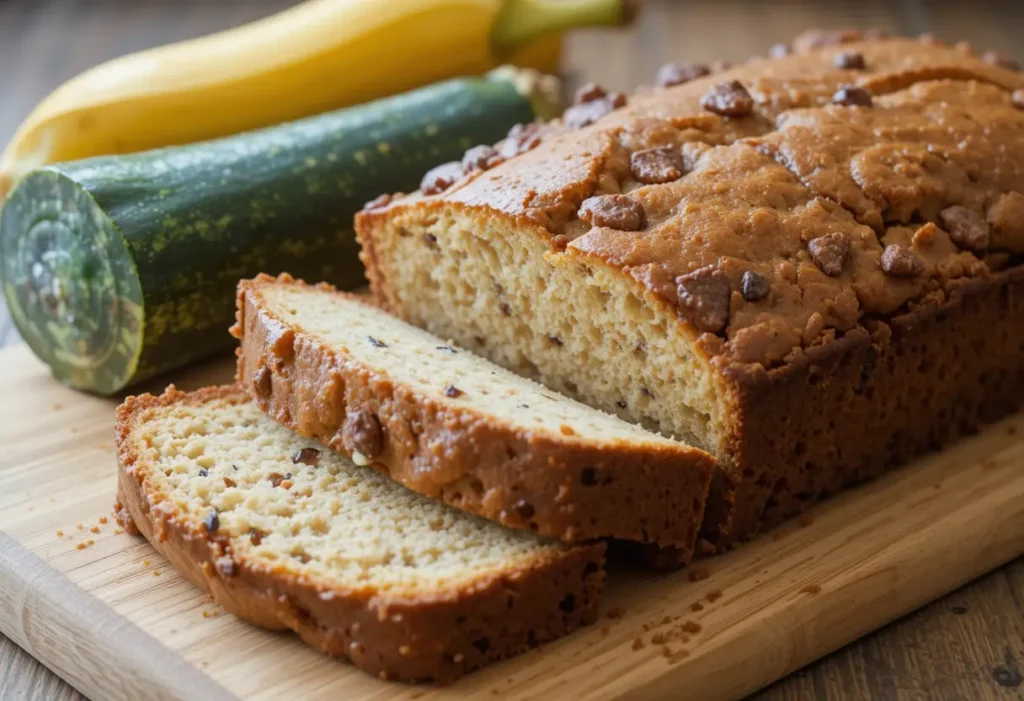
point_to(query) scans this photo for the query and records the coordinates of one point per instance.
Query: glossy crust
(564, 487)
(832, 378)
(439, 637)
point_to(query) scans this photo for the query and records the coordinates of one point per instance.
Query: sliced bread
(451, 425)
(288, 535)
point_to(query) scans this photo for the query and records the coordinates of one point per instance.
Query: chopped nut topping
(704, 297)
(728, 99)
(852, 96)
(678, 73)
(997, 59)
(440, 178)
(966, 228)
(481, 158)
(212, 522)
(900, 261)
(586, 113)
(523, 509)
(307, 456)
(754, 287)
(830, 252)
(589, 93)
(379, 202)
(613, 212)
(521, 138)
(849, 60)
(657, 165)
(262, 381)
(362, 433)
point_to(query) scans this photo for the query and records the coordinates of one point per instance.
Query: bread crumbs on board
(638, 644)
(60, 534)
(103, 520)
(699, 574)
(713, 596)
(617, 613)
(94, 529)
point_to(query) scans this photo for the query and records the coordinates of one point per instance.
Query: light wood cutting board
(109, 615)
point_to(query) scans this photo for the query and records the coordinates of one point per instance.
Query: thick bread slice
(451, 425)
(288, 535)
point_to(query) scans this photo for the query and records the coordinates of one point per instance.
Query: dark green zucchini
(119, 268)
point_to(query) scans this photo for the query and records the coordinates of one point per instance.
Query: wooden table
(968, 645)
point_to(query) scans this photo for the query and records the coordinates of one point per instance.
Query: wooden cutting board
(109, 615)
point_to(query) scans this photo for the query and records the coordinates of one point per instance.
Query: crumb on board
(638, 644)
(779, 533)
(80, 546)
(617, 613)
(60, 534)
(156, 573)
(713, 596)
(103, 520)
(699, 574)
(696, 606)
(94, 529)
(811, 589)
(80, 527)
(605, 630)
(145, 563)
(805, 520)
(118, 531)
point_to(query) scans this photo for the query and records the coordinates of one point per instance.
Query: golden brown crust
(942, 131)
(429, 638)
(565, 487)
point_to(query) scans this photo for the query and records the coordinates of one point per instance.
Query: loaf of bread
(808, 265)
(454, 426)
(289, 535)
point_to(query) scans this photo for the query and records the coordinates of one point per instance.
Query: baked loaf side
(288, 535)
(452, 425)
(807, 265)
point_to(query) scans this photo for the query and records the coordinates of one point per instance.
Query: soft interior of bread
(443, 371)
(577, 328)
(331, 520)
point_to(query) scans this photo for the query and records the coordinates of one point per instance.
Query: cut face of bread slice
(289, 535)
(452, 425)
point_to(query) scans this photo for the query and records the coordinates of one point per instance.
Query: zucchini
(119, 268)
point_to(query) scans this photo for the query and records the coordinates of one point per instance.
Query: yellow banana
(319, 55)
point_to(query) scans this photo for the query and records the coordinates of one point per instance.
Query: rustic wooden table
(968, 645)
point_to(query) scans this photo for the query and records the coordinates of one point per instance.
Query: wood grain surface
(968, 645)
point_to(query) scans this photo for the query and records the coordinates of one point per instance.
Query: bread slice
(288, 535)
(451, 425)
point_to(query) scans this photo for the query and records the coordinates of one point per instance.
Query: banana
(316, 56)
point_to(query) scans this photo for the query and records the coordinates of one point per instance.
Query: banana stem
(521, 21)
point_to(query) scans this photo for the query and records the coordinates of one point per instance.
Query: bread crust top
(776, 205)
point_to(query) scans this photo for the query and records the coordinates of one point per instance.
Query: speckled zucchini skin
(119, 268)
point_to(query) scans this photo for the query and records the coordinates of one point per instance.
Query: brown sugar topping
(704, 297)
(678, 73)
(613, 212)
(657, 165)
(900, 261)
(852, 96)
(830, 252)
(728, 99)
(966, 228)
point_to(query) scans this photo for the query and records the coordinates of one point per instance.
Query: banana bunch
(317, 56)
